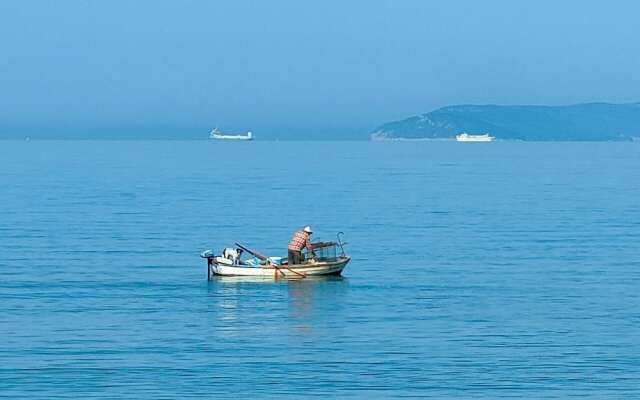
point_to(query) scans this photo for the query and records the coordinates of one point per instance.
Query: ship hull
(464, 137)
(217, 135)
(269, 271)
(228, 137)
(475, 140)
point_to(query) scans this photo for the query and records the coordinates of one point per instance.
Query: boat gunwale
(321, 264)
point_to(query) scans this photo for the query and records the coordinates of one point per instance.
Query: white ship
(216, 134)
(465, 137)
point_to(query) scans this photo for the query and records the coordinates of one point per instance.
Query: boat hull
(229, 137)
(217, 135)
(475, 140)
(284, 271)
(465, 137)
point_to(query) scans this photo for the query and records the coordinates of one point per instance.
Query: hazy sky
(284, 68)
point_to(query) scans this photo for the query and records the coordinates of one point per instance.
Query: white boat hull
(475, 140)
(216, 134)
(283, 271)
(465, 137)
(229, 137)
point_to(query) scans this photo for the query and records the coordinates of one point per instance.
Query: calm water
(479, 270)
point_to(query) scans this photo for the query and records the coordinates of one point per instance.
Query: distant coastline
(580, 122)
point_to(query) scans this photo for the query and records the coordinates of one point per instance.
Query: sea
(479, 270)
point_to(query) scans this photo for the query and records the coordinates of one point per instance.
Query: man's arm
(309, 246)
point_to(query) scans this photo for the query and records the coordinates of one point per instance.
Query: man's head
(307, 230)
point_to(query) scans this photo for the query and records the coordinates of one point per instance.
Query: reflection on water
(307, 295)
(234, 299)
(270, 279)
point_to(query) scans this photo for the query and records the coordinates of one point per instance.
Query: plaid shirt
(299, 241)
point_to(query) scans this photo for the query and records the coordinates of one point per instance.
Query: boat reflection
(307, 301)
(270, 279)
(312, 300)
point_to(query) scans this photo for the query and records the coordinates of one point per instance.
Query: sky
(299, 69)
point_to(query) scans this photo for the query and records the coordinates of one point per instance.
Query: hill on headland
(580, 122)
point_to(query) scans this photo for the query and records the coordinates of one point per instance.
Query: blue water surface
(497, 270)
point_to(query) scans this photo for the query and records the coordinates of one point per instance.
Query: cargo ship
(466, 137)
(216, 134)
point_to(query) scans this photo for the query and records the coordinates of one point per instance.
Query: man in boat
(299, 241)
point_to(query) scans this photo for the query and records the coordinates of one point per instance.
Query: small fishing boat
(327, 261)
